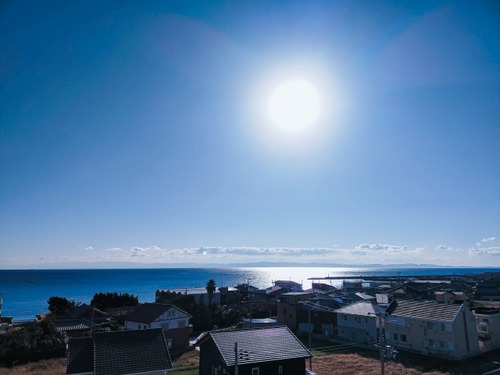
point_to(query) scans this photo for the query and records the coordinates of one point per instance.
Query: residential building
(173, 321)
(450, 296)
(80, 319)
(200, 295)
(431, 328)
(488, 328)
(253, 352)
(119, 353)
(289, 285)
(359, 322)
(317, 317)
(287, 308)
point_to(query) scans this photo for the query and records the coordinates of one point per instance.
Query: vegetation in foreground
(187, 364)
(55, 366)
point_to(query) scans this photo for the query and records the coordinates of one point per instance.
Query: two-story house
(287, 308)
(359, 322)
(488, 328)
(173, 321)
(430, 328)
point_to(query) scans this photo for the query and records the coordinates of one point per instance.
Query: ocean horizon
(25, 291)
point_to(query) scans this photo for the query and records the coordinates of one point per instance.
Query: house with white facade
(359, 322)
(430, 328)
(173, 321)
(488, 328)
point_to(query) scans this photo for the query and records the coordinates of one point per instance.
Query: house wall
(289, 367)
(454, 340)
(177, 338)
(323, 322)
(287, 310)
(356, 328)
(211, 359)
(488, 327)
(175, 326)
(171, 319)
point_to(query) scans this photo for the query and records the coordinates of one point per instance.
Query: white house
(435, 329)
(358, 322)
(488, 328)
(173, 321)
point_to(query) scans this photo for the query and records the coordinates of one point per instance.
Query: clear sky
(138, 131)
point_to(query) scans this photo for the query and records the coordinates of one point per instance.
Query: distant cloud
(479, 251)
(364, 253)
(447, 248)
(89, 248)
(114, 249)
(383, 247)
(487, 239)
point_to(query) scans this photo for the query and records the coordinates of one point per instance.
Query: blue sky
(137, 132)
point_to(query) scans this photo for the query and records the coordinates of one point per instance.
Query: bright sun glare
(294, 105)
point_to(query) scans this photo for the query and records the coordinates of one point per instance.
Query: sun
(294, 105)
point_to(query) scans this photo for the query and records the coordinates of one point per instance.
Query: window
(139, 326)
(432, 342)
(442, 344)
(255, 371)
(395, 337)
(403, 338)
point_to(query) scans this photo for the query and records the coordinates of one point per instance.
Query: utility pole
(381, 343)
(236, 358)
(309, 331)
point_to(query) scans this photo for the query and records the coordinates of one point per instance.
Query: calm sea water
(25, 292)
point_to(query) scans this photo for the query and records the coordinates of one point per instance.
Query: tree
(60, 305)
(32, 343)
(211, 288)
(104, 301)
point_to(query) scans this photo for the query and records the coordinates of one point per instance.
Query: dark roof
(149, 312)
(258, 345)
(80, 355)
(125, 352)
(119, 352)
(429, 310)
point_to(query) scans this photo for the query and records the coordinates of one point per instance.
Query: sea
(25, 292)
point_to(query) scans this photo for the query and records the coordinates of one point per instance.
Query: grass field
(364, 363)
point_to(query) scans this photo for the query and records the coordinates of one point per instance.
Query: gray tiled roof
(429, 310)
(361, 308)
(259, 345)
(72, 324)
(130, 352)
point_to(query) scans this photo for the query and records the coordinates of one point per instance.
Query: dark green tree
(211, 288)
(60, 305)
(104, 301)
(30, 344)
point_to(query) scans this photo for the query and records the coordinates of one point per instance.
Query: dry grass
(324, 364)
(187, 361)
(355, 364)
(45, 367)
